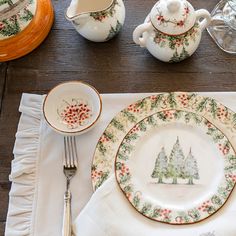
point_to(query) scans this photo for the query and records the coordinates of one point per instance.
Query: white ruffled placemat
(38, 182)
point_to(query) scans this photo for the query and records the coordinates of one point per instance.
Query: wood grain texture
(3, 71)
(116, 66)
(2, 228)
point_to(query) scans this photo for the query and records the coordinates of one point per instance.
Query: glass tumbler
(223, 26)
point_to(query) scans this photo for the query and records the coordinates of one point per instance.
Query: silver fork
(70, 164)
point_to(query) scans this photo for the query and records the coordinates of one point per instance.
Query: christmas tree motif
(184, 54)
(113, 31)
(9, 27)
(176, 162)
(179, 57)
(160, 169)
(27, 16)
(175, 57)
(6, 1)
(176, 166)
(191, 168)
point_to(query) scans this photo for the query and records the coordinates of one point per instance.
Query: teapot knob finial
(173, 6)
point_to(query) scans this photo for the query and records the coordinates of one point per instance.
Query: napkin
(38, 182)
(108, 213)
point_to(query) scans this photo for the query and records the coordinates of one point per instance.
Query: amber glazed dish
(32, 36)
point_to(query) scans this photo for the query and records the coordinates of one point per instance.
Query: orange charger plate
(32, 36)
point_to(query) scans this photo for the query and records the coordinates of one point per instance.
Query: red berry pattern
(183, 98)
(133, 108)
(169, 114)
(104, 139)
(209, 125)
(231, 177)
(224, 148)
(76, 114)
(134, 129)
(124, 170)
(186, 10)
(222, 113)
(180, 23)
(2, 26)
(128, 195)
(165, 213)
(153, 97)
(162, 20)
(96, 174)
(205, 206)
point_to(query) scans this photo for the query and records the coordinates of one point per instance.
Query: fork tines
(70, 160)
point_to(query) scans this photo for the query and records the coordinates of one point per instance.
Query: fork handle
(66, 229)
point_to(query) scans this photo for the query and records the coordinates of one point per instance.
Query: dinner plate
(176, 167)
(104, 156)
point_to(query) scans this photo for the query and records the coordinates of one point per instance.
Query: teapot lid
(173, 17)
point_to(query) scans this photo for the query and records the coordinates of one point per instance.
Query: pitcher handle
(138, 33)
(202, 13)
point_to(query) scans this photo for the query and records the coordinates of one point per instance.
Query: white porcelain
(97, 21)
(72, 108)
(185, 176)
(172, 31)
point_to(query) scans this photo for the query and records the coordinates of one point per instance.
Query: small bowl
(72, 108)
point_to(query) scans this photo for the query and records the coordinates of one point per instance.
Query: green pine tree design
(27, 15)
(11, 27)
(191, 168)
(113, 31)
(176, 163)
(160, 169)
(175, 57)
(179, 57)
(194, 214)
(9, 2)
(183, 55)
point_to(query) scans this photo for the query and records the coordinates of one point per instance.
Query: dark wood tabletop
(117, 66)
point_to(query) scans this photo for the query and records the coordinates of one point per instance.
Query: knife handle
(66, 228)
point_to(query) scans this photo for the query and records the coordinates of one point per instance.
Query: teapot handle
(138, 33)
(202, 13)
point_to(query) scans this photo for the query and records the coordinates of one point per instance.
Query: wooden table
(118, 66)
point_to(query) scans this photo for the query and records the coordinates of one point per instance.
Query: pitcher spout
(82, 8)
(72, 12)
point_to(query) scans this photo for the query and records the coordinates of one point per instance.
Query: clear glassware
(223, 26)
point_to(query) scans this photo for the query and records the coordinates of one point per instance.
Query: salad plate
(176, 167)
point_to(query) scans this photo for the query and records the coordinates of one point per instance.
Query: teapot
(97, 21)
(172, 31)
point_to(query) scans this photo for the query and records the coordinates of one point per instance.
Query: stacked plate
(24, 24)
(173, 155)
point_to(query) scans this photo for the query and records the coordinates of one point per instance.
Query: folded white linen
(108, 213)
(38, 182)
